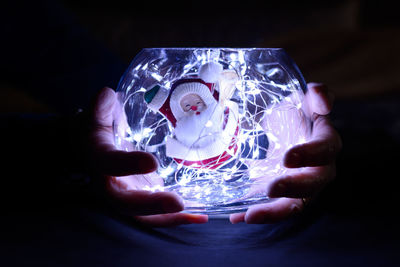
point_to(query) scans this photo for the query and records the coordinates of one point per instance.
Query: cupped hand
(312, 165)
(121, 168)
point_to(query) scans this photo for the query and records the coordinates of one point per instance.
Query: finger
(172, 219)
(122, 163)
(103, 107)
(322, 149)
(237, 217)
(273, 212)
(318, 99)
(102, 132)
(140, 202)
(110, 161)
(304, 183)
(107, 159)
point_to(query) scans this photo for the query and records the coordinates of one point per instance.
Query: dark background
(55, 55)
(348, 44)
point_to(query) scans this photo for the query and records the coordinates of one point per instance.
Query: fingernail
(292, 160)
(317, 86)
(171, 205)
(196, 218)
(295, 209)
(277, 190)
(147, 164)
(236, 218)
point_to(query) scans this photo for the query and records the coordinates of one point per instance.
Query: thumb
(103, 107)
(319, 99)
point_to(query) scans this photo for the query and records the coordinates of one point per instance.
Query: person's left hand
(313, 162)
(125, 173)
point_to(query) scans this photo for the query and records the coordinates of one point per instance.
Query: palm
(311, 165)
(126, 172)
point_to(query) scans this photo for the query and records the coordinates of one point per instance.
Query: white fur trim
(159, 99)
(175, 149)
(189, 88)
(210, 72)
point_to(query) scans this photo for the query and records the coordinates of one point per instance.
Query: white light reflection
(139, 136)
(157, 76)
(155, 188)
(209, 124)
(167, 172)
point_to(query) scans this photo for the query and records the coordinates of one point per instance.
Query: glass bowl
(218, 120)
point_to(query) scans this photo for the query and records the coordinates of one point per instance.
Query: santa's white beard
(200, 130)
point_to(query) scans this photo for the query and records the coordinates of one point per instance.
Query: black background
(56, 55)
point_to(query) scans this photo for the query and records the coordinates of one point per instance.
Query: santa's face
(199, 128)
(193, 104)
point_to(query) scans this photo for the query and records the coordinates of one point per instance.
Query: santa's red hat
(168, 101)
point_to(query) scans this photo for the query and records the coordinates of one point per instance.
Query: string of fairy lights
(268, 106)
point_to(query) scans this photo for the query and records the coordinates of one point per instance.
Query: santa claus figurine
(205, 121)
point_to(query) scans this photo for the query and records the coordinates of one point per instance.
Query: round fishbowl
(218, 120)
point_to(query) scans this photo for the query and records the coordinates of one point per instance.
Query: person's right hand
(120, 168)
(311, 165)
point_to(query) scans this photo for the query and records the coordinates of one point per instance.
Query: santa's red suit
(204, 141)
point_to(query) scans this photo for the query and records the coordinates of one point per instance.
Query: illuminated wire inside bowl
(257, 116)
